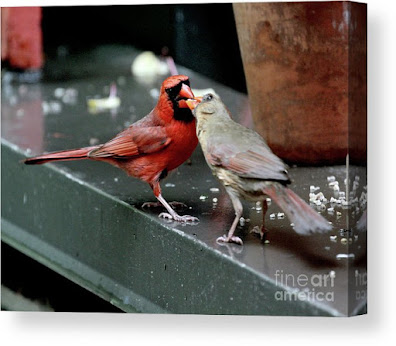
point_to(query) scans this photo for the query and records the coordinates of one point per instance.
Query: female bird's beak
(185, 93)
(192, 103)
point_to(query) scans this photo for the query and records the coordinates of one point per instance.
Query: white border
(375, 328)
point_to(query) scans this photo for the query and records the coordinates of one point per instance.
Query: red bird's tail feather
(65, 155)
(305, 219)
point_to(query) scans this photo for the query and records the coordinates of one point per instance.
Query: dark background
(201, 37)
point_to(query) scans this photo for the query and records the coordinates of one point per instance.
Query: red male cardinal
(247, 168)
(150, 148)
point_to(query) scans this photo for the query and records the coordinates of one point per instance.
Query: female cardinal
(150, 148)
(247, 168)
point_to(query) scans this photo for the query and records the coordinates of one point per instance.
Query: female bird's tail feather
(65, 155)
(305, 219)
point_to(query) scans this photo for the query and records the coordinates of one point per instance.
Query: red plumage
(151, 147)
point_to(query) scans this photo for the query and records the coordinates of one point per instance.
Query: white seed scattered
(242, 221)
(341, 194)
(268, 200)
(333, 183)
(214, 200)
(281, 215)
(272, 216)
(203, 198)
(330, 210)
(313, 188)
(338, 214)
(333, 238)
(169, 185)
(214, 189)
(59, 92)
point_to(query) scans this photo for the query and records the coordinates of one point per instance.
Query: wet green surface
(84, 220)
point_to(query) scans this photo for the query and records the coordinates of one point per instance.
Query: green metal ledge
(84, 220)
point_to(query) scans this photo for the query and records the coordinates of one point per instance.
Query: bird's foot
(174, 204)
(233, 239)
(179, 218)
(262, 231)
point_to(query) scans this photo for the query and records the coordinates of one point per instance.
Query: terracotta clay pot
(305, 68)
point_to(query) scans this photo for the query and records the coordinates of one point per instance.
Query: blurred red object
(21, 37)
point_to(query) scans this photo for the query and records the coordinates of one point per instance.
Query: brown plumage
(150, 148)
(248, 168)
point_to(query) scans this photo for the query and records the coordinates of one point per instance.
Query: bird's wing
(255, 162)
(134, 141)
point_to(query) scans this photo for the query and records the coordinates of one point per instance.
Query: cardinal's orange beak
(192, 103)
(186, 92)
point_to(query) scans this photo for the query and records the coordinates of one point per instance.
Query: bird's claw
(174, 205)
(183, 218)
(233, 239)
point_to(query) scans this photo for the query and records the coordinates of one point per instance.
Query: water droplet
(345, 255)
(203, 198)
(214, 189)
(169, 185)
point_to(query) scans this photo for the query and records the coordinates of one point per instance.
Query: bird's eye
(208, 97)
